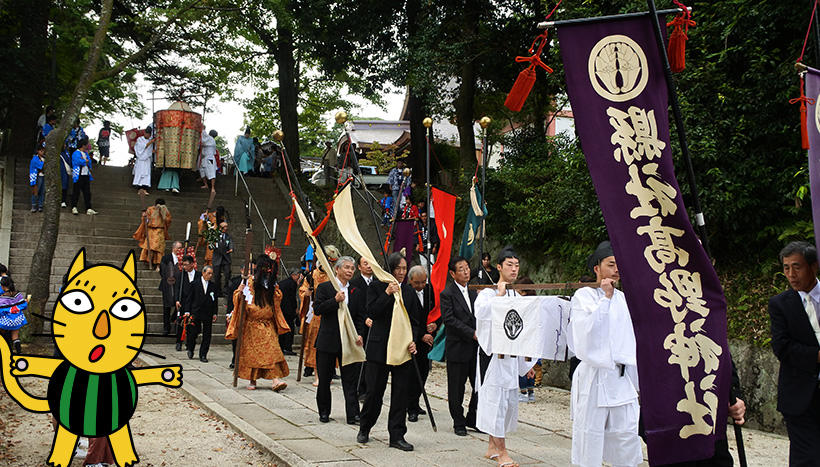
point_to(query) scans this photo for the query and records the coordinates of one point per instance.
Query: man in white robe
(143, 152)
(207, 161)
(497, 412)
(604, 405)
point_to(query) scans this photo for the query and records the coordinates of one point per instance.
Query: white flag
(529, 327)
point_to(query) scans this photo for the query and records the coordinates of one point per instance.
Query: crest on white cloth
(533, 327)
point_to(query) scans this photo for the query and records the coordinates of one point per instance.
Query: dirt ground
(168, 430)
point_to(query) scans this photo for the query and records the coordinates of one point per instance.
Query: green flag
(472, 229)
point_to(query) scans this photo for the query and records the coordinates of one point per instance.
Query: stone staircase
(107, 236)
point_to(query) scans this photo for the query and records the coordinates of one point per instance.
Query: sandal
(492, 457)
(251, 387)
(279, 387)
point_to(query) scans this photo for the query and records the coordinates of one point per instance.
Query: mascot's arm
(26, 400)
(170, 375)
(27, 365)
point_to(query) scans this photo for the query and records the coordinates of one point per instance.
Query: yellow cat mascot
(99, 326)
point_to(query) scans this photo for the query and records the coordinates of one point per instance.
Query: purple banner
(404, 233)
(813, 127)
(618, 93)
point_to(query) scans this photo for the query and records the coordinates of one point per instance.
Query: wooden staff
(553, 286)
(242, 301)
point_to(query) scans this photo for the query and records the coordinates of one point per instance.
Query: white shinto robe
(142, 166)
(497, 412)
(207, 163)
(604, 404)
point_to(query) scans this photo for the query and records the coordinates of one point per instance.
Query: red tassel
(291, 218)
(521, 89)
(322, 224)
(804, 130)
(676, 50)
(526, 79)
(803, 100)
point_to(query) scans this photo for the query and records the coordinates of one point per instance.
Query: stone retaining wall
(757, 367)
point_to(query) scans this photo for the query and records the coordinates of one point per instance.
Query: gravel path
(168, 430)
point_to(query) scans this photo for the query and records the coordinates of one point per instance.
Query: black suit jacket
(289, 298)
(380, 310)
(201, 303)
(424, 312)
(329, 338)
(187, 289)
(221, 255)
(459, 322)
(795, 345)
(359, 313)
(167, 269)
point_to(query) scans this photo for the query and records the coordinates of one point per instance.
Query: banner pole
(700, 221)
(484, 123)
(428, 124)
(690, 171)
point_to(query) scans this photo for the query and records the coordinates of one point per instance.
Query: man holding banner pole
(497, 412)
(380, 308)
(605, 407)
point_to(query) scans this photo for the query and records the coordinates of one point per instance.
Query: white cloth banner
(533, 327)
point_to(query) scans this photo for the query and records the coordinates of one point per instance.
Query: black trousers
(286, 339)
(166, 318)
(325, 364)
(83, 184)
(221, 270)
(804, 435)
(193, 331)
(376, 375)
(457, 375)
(415, 388)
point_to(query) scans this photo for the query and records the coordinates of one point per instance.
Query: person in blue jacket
(35, 179)
(81, 174)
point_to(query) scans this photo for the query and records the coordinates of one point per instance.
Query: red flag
(444, 206)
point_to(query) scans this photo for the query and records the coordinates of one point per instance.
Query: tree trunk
(418, 145)
(288, 93)
(464, 104)
(40, 272)
(29, 88)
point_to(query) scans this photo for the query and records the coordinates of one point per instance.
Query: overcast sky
(225, 117)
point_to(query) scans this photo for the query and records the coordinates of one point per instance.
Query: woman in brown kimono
(153, 232)
(260, 356)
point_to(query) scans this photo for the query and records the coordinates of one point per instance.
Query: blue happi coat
(77, 164)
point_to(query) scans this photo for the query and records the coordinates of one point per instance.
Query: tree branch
(118, 68)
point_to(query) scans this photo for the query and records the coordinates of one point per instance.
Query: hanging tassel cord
(808, 30)
(802, 99)
(683, 21)
(292, 217)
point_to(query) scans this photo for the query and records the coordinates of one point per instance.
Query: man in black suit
(329, 339)
(461, 344)
(362, 281)
(222, 259)
(202, 305)
(289, 288)
(417, 278)
(380, 300)
(169, 273)
(182, 290)
(795, 315)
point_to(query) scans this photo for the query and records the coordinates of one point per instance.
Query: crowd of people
(76, 163)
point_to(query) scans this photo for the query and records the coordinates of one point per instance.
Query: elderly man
(605, 385)
(497, 412)
(362, 281)
(461, 345)
(202, 305)
(329, 339)
(795, 318)
(417, 277)
(169, 273)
